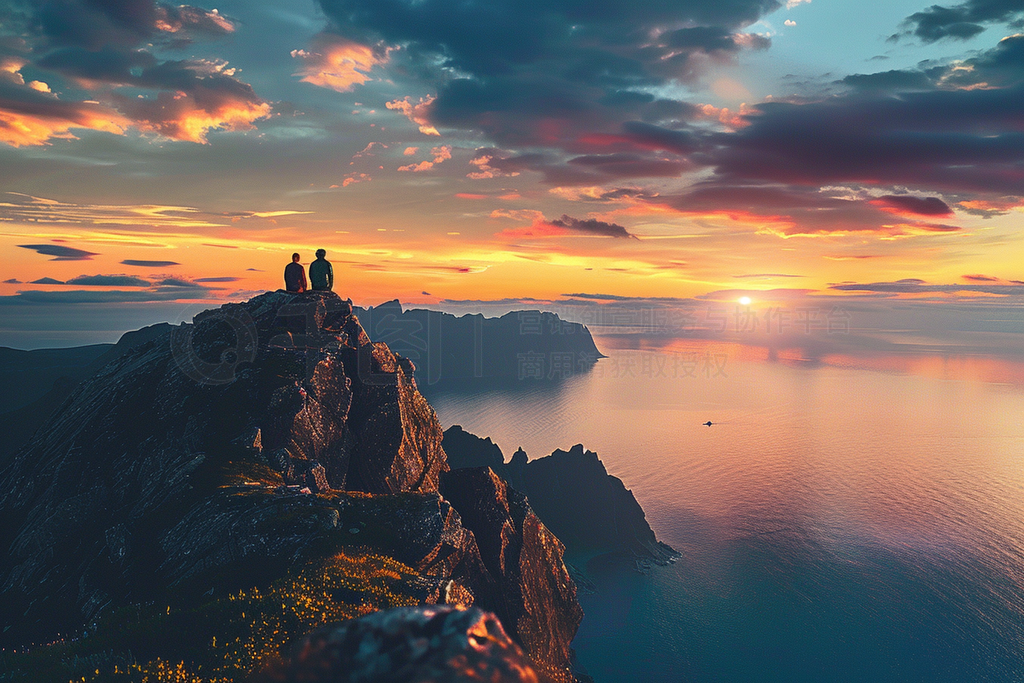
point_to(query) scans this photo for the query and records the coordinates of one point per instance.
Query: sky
(584, 156)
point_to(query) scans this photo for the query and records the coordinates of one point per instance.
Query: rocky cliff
(269, 446)
(588, 509)
(518, 346)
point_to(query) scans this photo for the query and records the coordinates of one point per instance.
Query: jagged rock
(571, 491)
(263, 437)
(149, 439)
(535, 598)
(409, 645)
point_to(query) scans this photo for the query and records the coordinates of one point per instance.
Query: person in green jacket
(321, 274)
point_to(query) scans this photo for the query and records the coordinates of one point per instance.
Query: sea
(842, 519)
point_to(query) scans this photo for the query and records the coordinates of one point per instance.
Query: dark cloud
(958, 140)
(918, 286)
(922, 206)
(624, 165)
(149, 264)
(93, 25)
(619, 297)
(12, 281)
(190, 93)
(592, 227)
(80, 296)
(218, 279)
(980, 278)
(547, 73)
(108, 281)
(487, 37)
(889, 81)
(102, 47)
(60, 252)
(1002, 66)
(655, 137)
(46, 281)
(965, 20)
(176, 282)
(952, 128)
(107, 65)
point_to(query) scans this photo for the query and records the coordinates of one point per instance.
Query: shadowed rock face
(410, 645)
(260, 437)
(535, 597)
(572, 493)
(93, 506)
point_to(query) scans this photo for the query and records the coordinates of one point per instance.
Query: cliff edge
(589, 510)
(240, 480)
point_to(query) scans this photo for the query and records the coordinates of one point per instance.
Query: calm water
(845, 521)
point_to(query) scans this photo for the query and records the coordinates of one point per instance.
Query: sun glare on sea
(745, 300)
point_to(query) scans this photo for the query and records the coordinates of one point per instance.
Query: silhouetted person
(295, 276)
(321, 274)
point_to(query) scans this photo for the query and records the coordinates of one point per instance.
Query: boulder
(408, 645)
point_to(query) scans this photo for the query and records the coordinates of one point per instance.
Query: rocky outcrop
(409, 645)
(537, 603)
(589, 510)
(521, 345)
(225, 453)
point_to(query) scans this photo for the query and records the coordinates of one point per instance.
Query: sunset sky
(159, 158)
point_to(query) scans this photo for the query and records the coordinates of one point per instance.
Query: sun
(745, 300)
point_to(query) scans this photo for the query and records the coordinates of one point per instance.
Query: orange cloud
(173, 20)
(354, 178)
(336, 63)
(417, 113)
(987, 209)
(486, 170)
(30, 115)
(727, 117)
(23, 130)
(190, 116)
(441, 154)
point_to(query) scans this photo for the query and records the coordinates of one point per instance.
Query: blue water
(840, 521)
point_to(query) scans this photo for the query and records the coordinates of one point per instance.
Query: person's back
(295, 276)
(321, 273)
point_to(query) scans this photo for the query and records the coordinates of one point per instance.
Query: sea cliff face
(265, 441)
(589, 510)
